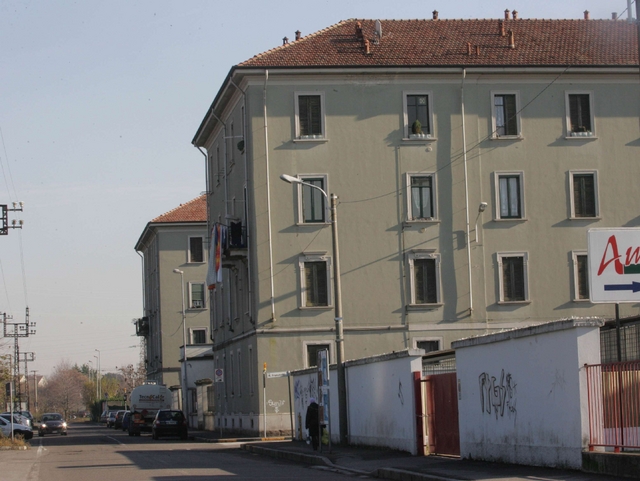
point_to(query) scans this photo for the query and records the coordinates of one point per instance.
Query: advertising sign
(614, 265)
(323, 386)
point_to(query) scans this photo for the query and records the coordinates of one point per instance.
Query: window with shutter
(424, 267)
(310, 115)
(196, 251)
(582, 276)
(513, 278)
(580, 112)
(505, 115)
(584, 194)
(315, 284)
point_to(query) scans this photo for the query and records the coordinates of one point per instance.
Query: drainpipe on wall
(466, 192)
(266, 155)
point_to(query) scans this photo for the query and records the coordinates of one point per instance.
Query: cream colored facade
(366, 155)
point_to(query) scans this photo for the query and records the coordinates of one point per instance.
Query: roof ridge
(295, 42)
(180, 207)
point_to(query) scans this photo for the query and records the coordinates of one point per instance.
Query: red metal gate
(442, 414)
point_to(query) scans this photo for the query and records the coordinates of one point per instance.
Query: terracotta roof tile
(193, 211)
(407, 43)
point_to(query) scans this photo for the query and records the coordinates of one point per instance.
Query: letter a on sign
(614, 265)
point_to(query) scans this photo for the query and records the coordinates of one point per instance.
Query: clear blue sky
(99, 102)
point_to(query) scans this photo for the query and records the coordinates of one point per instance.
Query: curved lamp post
(342, 392)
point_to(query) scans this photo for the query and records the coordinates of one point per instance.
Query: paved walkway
(397, 465)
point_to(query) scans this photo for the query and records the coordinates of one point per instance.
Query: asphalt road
(94, 453)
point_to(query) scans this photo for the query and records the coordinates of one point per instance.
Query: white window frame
(576, 276)
(439, 340)
(191, 331)
(424, 254)
(496, 180)
(430, 135)
(434, 196)
(317, 137)
(578, 135)
(572, 173)
(204, 251)
(204, 296)
(314, 257)
(525, 272)
(494, 133)
(305, 351)
(300, 208)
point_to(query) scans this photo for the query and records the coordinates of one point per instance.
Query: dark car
(111, 419)
(52, 423)
(169, 423)
(117, 424)
(126, 420)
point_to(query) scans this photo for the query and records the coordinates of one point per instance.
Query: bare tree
(64, 390)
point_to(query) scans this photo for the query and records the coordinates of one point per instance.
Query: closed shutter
(316, 284)
(584, 195)
(425, 281)
(310, 115)
(511, 115)
(513, 278)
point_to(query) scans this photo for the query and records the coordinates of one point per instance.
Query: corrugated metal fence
(614, 404)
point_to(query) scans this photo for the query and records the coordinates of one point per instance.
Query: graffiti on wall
(497, 397)
(276, 404)
(305, 389)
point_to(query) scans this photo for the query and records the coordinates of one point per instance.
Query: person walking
(312, 423)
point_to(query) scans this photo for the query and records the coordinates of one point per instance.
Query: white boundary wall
(380, 400)
(522, 394)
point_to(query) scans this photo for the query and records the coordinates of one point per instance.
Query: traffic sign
(614, 265)
(218, 375)
(271, 375)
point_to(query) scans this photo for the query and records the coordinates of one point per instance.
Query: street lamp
(184, 347)
(342, 391)
(98, 376)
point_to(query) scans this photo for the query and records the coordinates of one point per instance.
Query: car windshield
(51, 417)
(170, 416)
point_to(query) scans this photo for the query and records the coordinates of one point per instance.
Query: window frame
(322, 136)
(569, 132)
(192, 331)
(189, 256)
(596, 199)
(576, 275)
(439, 340)
(494, 128)
(498, 204)
(430, 135)
(409, 197)
(204, 296)
(300, 220)
(305, 350)
(308, 258)
(424, 255)
(525, 272)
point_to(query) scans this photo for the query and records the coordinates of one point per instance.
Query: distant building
(470, 157)
(174, 240)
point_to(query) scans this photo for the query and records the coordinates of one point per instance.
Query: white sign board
(614, 265)
(271, 375)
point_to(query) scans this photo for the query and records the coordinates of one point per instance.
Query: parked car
(27, 415)
(52, 423)
(104, 416)
(111, 420)
(169, 423)
(17, 418)
(118, 422)
(126, 420)
(18, 429)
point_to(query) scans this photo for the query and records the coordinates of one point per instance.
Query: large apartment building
(469, 157)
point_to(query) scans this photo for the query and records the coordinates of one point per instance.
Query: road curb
(290, 455)
(402, 475)
(237, 440)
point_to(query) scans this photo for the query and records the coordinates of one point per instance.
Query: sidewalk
(397, 465)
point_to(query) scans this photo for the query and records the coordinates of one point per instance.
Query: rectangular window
(218, 168)
(422, 198)
(417, 115)
(513, 277)
(430, 345)
(506, 120)
(309, 115)
(312, 353)
(584, 194)
(510, 195)
(313, 208)
(198, 335)
(580, 276)
(314, 276)
(424, 267)
(196, 296)
(579, 114)
(196, 249)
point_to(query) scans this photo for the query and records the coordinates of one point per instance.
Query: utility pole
(4, 218)
(17, 330)
(27, 357)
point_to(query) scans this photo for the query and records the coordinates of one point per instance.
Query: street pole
(35, 390)
(185, 389)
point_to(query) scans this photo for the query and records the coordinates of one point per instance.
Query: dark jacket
(311, 421)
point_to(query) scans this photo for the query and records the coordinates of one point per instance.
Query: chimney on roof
(298, 35)
(501, 28)
(515, 14)
(614, 15)
(506, 14)
(359, 30)
(285, 41)
(586, 14)
(367, 46)
(435, 15)
(512, 41)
